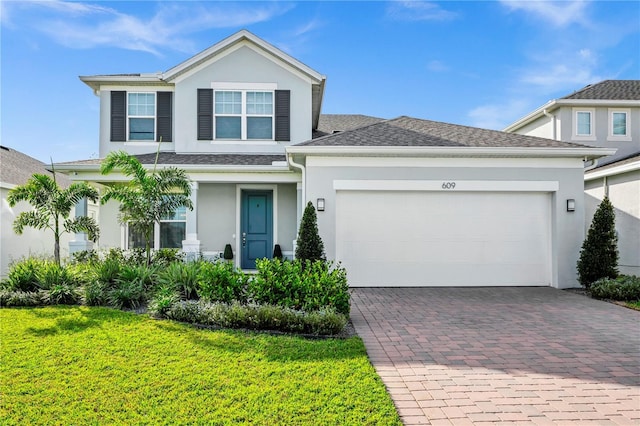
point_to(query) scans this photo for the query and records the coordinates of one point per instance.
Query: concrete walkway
(535, 356)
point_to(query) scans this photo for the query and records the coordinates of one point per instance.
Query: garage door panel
(443, 239)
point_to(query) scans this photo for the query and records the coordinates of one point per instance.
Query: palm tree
(149, 196)
(52, 207)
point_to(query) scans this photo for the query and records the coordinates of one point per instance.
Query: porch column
(81, 242)
(191, 244)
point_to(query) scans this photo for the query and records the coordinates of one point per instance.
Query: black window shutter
(118, 116)
(164, 112)
(283, 115)
(205, 114)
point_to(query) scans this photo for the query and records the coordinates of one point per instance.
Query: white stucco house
(16, 169)
(605, 114)
(401, 202)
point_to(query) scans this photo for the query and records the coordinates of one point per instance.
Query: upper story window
(244, 111)
(141, 110)
(619, 124)
(141, 116)
(243, 115)
(584, 125)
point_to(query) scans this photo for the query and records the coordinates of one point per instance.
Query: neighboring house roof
(612, 93)
(17, 168)
(409, 132)
(623, 165)
(243, 36)
(334, 123)
(609, 90)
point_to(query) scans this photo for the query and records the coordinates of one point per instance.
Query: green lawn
(634, 305)
(80, 365)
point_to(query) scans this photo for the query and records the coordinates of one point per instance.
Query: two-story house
(605, 114)
(400, 202)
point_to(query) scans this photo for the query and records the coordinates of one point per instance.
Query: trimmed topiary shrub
(599, 254)
(309, 244)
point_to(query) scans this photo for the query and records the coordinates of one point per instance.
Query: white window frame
(243, 88)
(627, 135)
(156, 234)
(155, 111)
(592, 124)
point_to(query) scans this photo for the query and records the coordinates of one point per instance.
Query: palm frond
(37, 219)
(83, 224)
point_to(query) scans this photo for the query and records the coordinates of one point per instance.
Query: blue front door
(256, 227)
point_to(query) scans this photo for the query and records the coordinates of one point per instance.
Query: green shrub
(24, 275)
(257, 317)
(221, 282)
(163, 300)
(94, 293)
(309, 244)
(107, 271)
(166, 256)
(20, 298)
(61, 294)
(85, 256)
(52, 275)
(126, 294)
(599, 253)
(316, 286)
(181, 276)
(144, 276)
(625, 288)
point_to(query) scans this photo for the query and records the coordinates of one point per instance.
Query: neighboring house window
(141, 111)
(168, 234)
(619, 124)
(141, 116)
(243, 114)
(583, 119)
(584, 125)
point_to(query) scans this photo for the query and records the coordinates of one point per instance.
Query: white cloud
(498, 115)
(437, 66)
(417, 10)
(559, 13)
(84, 25)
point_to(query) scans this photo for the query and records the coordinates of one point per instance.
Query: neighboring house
(606, 114)
(16, 169)
(402, 202)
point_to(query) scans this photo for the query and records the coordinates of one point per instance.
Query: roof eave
(549, 106)
(613, 170)
(412, 151)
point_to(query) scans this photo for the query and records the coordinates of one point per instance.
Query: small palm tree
(149, 196)
(52, 207)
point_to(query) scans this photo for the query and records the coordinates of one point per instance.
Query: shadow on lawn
(280, 348)
(74, 319)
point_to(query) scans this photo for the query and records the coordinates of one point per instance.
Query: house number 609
(448, 185)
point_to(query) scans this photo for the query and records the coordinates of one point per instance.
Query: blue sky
(482, 64)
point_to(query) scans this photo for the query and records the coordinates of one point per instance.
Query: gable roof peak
(618, 90)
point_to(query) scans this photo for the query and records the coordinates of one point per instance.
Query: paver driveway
(514, 355)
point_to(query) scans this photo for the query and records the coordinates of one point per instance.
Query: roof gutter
(614, 170)
(303, 171)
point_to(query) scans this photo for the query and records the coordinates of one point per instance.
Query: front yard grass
(82, 365)
(633, 305)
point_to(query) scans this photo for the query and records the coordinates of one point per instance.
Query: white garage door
(398, 238)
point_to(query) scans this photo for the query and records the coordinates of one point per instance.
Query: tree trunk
(56, 249)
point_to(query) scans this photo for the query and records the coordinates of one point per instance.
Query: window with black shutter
(164, 117)
(118, 116)
(205, 114)
(283, 115)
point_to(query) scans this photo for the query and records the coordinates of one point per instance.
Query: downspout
(593, 165)
(553, 121)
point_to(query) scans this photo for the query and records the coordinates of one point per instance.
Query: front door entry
(256, 227)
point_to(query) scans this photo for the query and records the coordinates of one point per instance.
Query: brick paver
(536, 356)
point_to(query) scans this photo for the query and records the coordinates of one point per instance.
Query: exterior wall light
(571, 205)
(320, 204)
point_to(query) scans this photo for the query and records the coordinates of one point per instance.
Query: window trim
(156, 234)
(627, 135)
(592, 124)
(155, 118)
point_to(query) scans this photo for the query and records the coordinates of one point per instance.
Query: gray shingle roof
(609, 90)
(407, 131)
(604, 164)
(16, 168)
(334, 123)
(171, 158)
